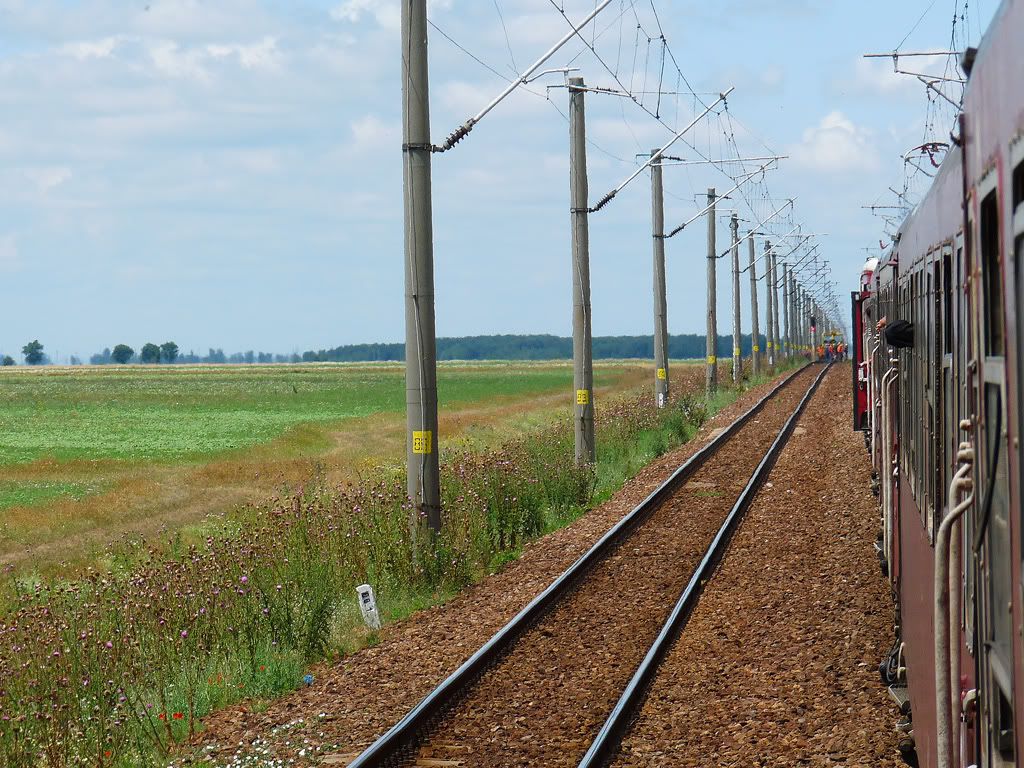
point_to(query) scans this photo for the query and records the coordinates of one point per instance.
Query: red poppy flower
(162, 716)
(177, 715)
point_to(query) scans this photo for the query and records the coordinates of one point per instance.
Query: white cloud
(9, 259)
(371, 132)
(92, 49)
(254, 160)
(193, 63)
(168, 57)
(387, 13)
(876, 76)
(772, 77)
(262, 55)
(836, 145)
(48, 178)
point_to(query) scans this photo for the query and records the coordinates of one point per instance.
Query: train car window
(928, 403)
(1017, 152)
(995, 341)
(947, 300)
(1018, 185)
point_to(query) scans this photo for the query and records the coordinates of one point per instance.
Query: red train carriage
(861, 371)
(943, 414)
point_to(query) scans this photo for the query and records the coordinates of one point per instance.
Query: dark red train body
(943, 420)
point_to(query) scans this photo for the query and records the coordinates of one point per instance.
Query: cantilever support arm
(746, 177)
(460, 133)
(657, 155)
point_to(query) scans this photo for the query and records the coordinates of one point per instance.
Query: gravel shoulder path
(777, 665)
(354, 701)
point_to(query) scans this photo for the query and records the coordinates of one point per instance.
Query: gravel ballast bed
(354, 701)
(777, 665)
(545, 701)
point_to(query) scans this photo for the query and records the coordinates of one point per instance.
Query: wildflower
(162, 716)
(184, 634)
(308, 680)
(177, 715)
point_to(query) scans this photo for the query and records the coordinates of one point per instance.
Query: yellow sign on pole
(423, 442)
(582, 397)
(662, 374)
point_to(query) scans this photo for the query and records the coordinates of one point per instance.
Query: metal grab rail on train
(947, 623)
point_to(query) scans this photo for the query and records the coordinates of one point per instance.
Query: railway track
(558, 684)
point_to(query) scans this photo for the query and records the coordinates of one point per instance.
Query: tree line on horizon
(494, 347)
(534, 347)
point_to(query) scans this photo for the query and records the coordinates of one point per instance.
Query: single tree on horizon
(122, 354)
(7, 361)
(33, 352)
(150, 354)
(168, 352)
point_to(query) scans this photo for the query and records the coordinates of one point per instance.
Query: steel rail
(394, 747)
(606, 744)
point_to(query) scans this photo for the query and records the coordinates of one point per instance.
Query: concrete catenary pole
(805, 320)
(796, 311)
(424, 485)
(775, 302)
(755, 330)
(582, 350)
(797, 316)
(660, 301)
(787, 320)
(737, 360)
(769, 303)
(711, 377)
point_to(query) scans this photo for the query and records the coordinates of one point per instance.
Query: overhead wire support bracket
(753, 231)
(724, 161)
(897, 54)
(930, 85)
(657, 155)
(745, 178)
(460, 133)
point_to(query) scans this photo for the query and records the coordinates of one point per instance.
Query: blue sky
(228, 173)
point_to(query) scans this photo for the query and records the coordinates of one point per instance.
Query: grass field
(90, 454)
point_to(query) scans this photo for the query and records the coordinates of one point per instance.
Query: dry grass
(150, 498)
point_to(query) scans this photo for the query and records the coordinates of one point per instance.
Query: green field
(190, 412)
(89, 454)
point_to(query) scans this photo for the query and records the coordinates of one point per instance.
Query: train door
(993, 525)
(1017, 157)
(947, 438)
